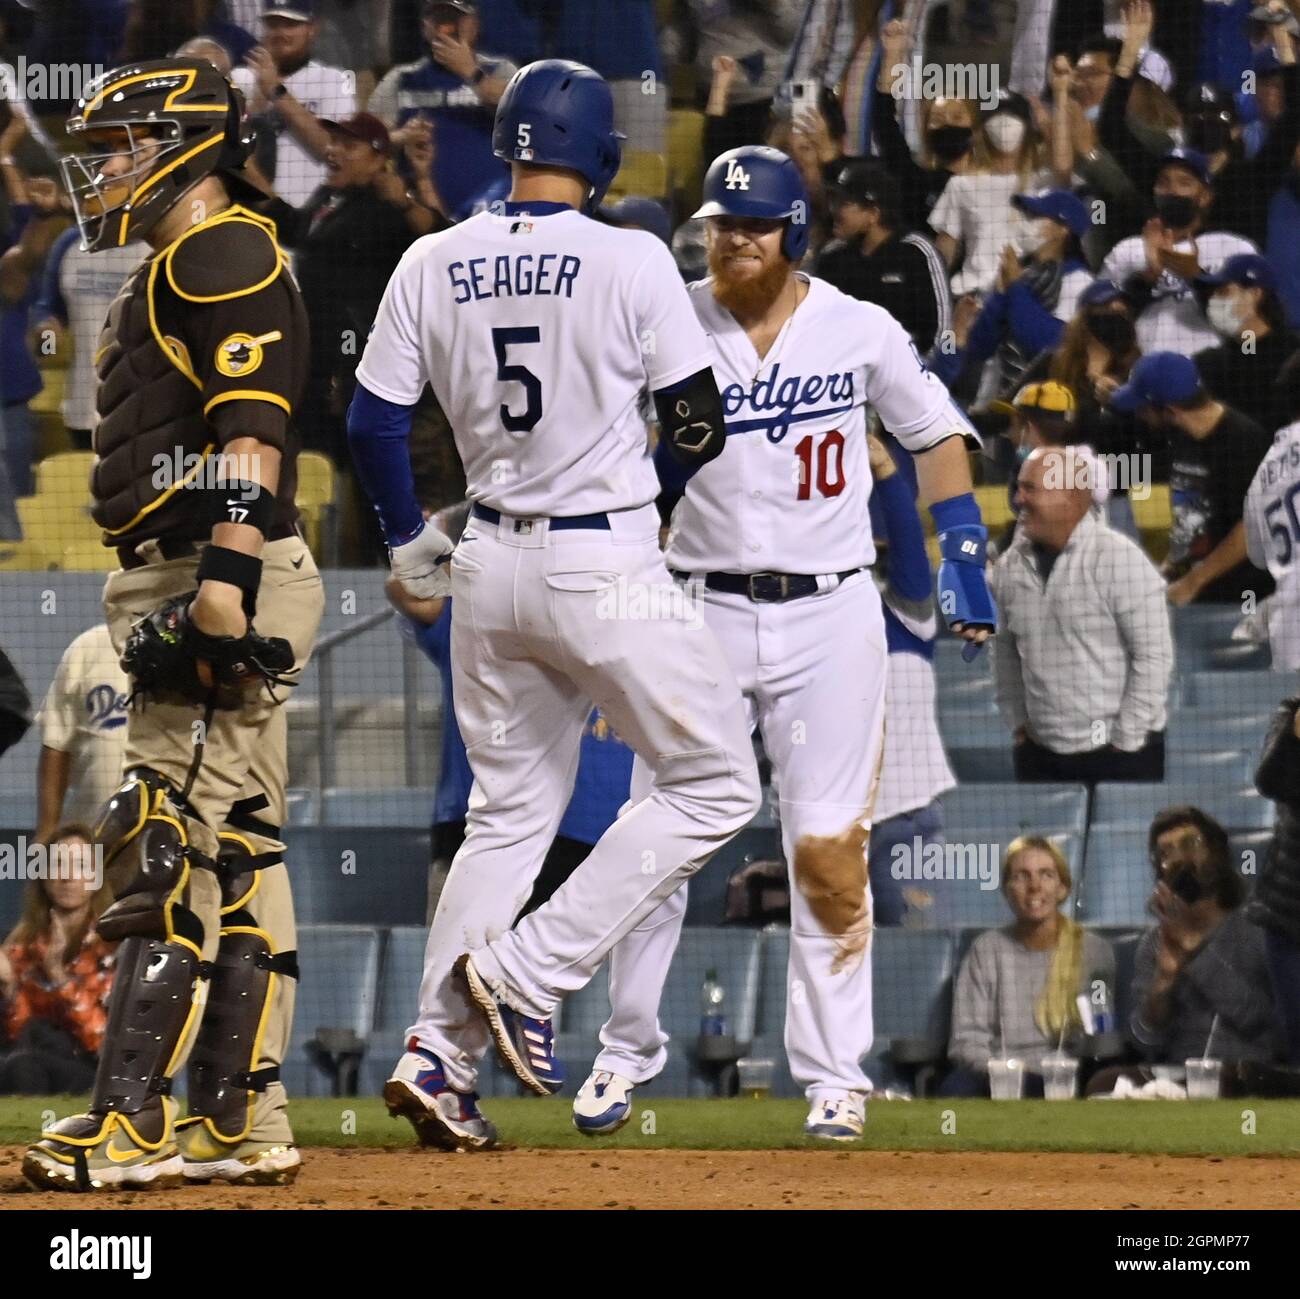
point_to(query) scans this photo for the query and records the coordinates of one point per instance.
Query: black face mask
(1177, 211)
(1112, 331)
(948, 143)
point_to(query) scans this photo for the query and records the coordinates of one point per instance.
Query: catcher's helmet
(560, 114)
(757, 181)
(186, 108)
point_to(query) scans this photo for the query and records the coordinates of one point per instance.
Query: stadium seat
(1258, 693)
(965, 693)
(969, 895)
(1124, 806)
(318, 505)
(1117, 878)
(358, 874)
(300, 805)
(733, 953)
(1153, 518)
(1235, 767)
(337, 989)
(18, 812)
(987, 762)
(643, 172)
(68, 471)
(686, 153)
(29, 556)
(406, 808)
(1024, 809)
(1213, 728)
(995, 507)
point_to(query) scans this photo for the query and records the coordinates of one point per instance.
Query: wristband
(956, 512)
(242, 501)
(221, 564)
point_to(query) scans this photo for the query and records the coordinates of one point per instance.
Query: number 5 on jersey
(502, 340)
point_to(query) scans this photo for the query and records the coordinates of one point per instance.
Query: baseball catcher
(213, 610)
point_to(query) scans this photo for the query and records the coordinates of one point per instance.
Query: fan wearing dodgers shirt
(775, 537)
(538, 328)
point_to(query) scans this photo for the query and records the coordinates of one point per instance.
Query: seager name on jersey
(784, 396)
(514, 275)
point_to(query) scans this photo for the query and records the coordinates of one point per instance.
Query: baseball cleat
(209, 1158)
(603, 1104)
(837, 1118)
(442, 1117)
(526, 1045)
(105, 1152)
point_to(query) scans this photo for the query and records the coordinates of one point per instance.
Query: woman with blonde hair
(1017, 988)
(55, 974)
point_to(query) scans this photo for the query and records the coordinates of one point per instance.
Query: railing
(327, 721)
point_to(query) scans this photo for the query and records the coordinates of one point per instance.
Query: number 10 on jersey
(828, 453)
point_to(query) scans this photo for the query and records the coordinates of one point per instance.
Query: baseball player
(538, 328)
(200, 363)
(775, 537)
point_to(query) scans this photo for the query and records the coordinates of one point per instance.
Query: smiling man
(774, 536)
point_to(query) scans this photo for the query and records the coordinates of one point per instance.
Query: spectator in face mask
(975, 219)
(1159, 268)
(1244, 310)
(950, 144)
(1269, 100)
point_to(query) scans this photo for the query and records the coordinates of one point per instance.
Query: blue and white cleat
(837, 1118)
(526, 1045)
(441, 1116)
(603, 1104)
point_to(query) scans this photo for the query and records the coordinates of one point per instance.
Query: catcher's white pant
(813, 675)
(548, 622)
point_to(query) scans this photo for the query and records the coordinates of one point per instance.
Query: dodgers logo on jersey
(827, 394)
(737, 177)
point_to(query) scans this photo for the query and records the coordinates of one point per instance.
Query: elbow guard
(690, 419)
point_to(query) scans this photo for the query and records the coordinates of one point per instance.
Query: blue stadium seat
(1234, 767)
(300, 806)
(956, 692)
(1120, 805)
(1236, 692)
(409, 808)
(1210, 728)
(1117, 878)
(339, 969)
(973, 727)
(18, 811)
(733, 953)
(988, 762)
(358, 874)
(1192, 655)
(976, 901)
(1025, 809)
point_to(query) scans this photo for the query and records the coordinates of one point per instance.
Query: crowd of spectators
(1101, 257)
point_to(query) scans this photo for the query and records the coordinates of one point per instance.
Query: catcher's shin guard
(145, 841)
(225, 1069)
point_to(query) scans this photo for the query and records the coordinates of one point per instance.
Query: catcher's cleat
(603, 1104)
(207, 1158)
(526, 1045)
(837, 1118)
(441, 1116)
(105, 1152)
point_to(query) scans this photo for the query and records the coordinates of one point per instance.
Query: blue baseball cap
(1192, 160)
(1247, 269)
(1058, 205)
(1100, 292)
(643, 213)
(1158, 379)
(298, 11)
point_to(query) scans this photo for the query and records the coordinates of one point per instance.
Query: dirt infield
(682, 1179)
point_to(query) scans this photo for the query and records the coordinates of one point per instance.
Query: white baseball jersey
(537, 334)
(1173, 321)
(1272, 517)
(789, 493)
(326, 92)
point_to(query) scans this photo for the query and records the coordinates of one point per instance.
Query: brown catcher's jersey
(205, 343)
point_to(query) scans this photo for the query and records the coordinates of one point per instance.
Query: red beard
(750, 295)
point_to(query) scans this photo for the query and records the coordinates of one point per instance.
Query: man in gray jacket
(1084, 657)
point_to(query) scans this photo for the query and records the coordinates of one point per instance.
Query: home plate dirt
(684, 1179)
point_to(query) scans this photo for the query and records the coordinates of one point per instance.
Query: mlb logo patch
(523, 155)
(522, 228)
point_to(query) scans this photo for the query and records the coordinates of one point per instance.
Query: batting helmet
(181, 121)
(756, 181)
(560, 114)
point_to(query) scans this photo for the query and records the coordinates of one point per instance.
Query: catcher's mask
(152, 131)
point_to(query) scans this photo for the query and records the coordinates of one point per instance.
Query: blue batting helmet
(756, 181)
(560, 114)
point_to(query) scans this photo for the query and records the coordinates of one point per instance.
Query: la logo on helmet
(737, 177)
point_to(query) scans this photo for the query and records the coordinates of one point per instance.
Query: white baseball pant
(813, 675)
(548, 622)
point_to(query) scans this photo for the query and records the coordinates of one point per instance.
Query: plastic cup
(1006, 1078)
(1203, 1079)
(755, 1077)
(1060, 1077)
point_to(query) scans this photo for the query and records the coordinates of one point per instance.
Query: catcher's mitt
(169, 658)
